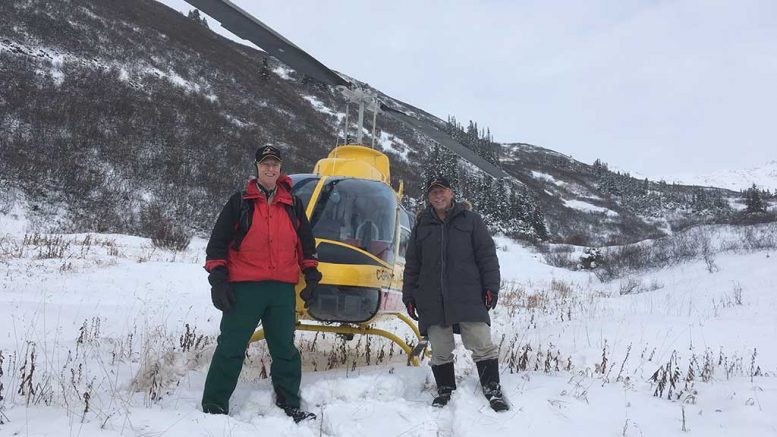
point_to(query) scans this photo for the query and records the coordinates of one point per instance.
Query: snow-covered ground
(106, 335)
(588, 207)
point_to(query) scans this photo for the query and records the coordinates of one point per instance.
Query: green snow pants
(272, 303)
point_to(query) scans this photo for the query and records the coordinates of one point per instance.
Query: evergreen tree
(600, 167)
(485, 201)
(538, 224)
(754, 201)
(194, 15)
(501, 207)
(264, 70)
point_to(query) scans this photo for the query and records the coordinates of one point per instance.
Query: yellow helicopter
(360, 227)
(361, 233)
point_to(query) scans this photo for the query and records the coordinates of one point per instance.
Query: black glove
(410, 305)
(312, 278)
(490, 298)
(220, 289)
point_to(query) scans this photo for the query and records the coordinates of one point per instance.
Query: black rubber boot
(299, 415)
(213, 409)
(489, 380)
(445, 378)
(294, 412)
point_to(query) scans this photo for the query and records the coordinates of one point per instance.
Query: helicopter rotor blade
(244, 25)
(446, 141)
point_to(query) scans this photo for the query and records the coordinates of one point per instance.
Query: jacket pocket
(460, 241)
(422, 234)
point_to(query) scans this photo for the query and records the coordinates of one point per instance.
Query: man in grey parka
(451, 281)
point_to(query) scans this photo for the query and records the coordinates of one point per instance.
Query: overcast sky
(652, 87)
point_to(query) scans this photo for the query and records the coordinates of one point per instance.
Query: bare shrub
(685, 246)
(511, 296)
(48, 246)
(755, 369)
(189, 340)
(560, 259)
(520, 357)
(709, 261)
(601, 367)
(737, 294)
(671, 382)
(577, 240)
(535, 301)
(631, 286)
(758, 238)
(171, 236)
(707, 253)
(622, 259)
(695, 243)
(744, 218)
(165, 231)
(10, 247)
(667, 378)
(561, 288)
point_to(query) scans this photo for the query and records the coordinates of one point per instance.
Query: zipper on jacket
(442, 269)
(269, 233)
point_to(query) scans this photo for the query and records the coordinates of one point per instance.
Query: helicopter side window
(406, 223)
(303, 186)
(357, 212)
(404, 239)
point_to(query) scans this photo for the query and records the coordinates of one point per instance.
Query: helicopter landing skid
(420, 347)
(413, 353)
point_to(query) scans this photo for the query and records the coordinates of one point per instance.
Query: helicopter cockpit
(357, 212)
(355, 224)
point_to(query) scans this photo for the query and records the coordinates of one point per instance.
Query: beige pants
(476, 337)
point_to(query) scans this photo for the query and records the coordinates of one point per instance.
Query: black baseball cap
(267, 151)
(437, 181)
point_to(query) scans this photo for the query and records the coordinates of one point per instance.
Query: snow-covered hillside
(764, 177)
(104, 335)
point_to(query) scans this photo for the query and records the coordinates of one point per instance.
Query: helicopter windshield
(358, 212)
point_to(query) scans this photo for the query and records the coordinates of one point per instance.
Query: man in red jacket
(261, 241)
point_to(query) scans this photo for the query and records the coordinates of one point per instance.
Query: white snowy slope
(764, 177)
(107, 315)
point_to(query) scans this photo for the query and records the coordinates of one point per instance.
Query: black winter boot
(294, 412)
(445, 378)
(489, 379)
(299, 415)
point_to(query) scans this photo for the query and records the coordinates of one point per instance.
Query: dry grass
(558, 296)
(75, 251)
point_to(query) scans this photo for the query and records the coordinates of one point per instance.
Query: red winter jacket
(271, 248)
